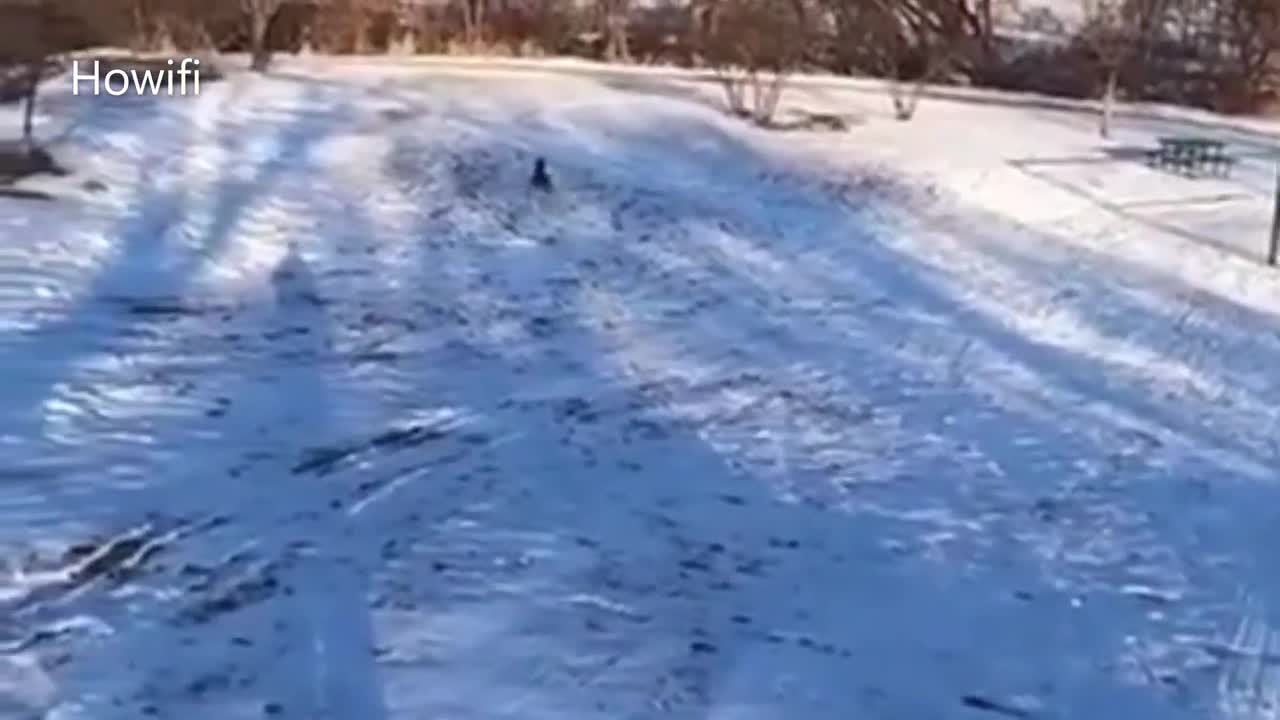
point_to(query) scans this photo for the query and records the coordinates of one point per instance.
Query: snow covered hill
(317, 410)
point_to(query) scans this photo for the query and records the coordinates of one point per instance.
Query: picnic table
(1192, 154)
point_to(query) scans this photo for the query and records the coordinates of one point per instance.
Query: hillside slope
(319, 411)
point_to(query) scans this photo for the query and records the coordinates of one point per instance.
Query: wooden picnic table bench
(1192, 154)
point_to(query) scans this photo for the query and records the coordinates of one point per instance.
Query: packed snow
(314, 408)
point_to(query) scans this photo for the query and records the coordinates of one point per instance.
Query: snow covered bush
(32, 33)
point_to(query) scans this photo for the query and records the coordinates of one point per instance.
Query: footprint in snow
(26, 690)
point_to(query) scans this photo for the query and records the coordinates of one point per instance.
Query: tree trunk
(360, 43)
(734, 90)
(259, 27)
(906, 100)
(405, 43)
(473, 22)
(140, 30)
(1108, 102)
(768, 95)
(986, 22)
(307, 46)
(619, 47)
(29, 110)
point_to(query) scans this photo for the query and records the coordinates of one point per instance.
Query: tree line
(1212, 53)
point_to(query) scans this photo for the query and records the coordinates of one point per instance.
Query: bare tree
(29, 77)
(753, 46)
(910, 61)
(30, 32)
(615, 17)
(914, 43)
(1250, 30)
(473, 22)
(351, 25)
(404, 40)
(972, 23)
(33, 34)
(1117, 32)
(173, 25)
(261, 14)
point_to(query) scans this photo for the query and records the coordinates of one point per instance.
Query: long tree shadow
(1126, 212)
(228, 184)
(715, 439)
(273, 610)
(273, 613)
(1152, 122)
(1062, 383)
(192, 194)
(675, 303)
(603, 510)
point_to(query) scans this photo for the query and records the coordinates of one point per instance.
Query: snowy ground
(316, 411)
